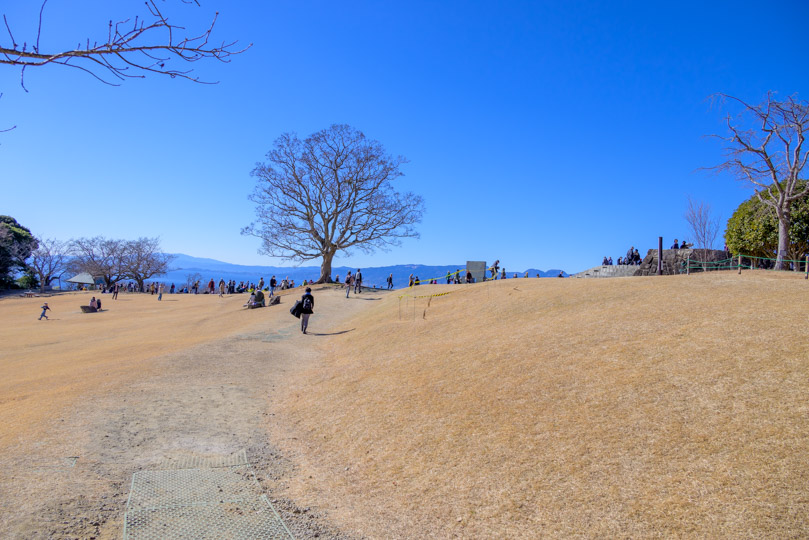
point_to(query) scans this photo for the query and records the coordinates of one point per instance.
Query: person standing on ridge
(349, 281)
(273, 285)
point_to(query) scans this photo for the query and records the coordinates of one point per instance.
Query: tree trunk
(784, 222)
(325, 267)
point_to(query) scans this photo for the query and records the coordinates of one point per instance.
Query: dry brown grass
(46, 366)
(639, 407)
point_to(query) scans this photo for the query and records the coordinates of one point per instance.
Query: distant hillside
(184, 265)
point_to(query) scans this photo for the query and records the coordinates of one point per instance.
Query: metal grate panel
(203, 462)
(254, 519)
(186, 487)
(215, 502)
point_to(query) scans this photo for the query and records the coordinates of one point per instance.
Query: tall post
(659, 255)
(807, 267)
(688, 266)
(740, 263)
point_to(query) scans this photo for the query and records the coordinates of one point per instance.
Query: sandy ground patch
(88, 399)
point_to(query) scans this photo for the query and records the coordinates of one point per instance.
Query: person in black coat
(307, 308)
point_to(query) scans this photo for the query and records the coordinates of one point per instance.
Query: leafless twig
(765, 147)
(131, 50)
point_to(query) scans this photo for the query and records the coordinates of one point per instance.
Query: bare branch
(765, 147)
(49, 261)
(146, 47)
(703, 226)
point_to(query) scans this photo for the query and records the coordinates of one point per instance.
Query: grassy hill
(647, 407)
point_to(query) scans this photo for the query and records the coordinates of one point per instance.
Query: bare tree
(142, 259)
(703, 226)
(331, 192)
(99, 257)
(190, 279)
(132, 48)
(766, 149)
(49, 261)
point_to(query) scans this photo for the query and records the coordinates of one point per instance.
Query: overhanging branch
(145, 47)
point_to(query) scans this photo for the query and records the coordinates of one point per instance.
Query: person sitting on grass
(259, 299)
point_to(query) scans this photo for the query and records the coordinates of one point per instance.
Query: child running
(45, 308)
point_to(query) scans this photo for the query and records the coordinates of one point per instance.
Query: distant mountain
(184, 265)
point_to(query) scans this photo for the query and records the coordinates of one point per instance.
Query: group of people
(684, 245)
(633, 256)
(458, 277)
(355, 281)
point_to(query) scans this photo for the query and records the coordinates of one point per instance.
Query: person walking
(45, 308)
(115, 291)
(273, 285)
(358, 282)
(160, 291)
(307, 308)
(390, 281)
(349, 281)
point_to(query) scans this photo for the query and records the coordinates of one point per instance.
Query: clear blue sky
(543, 134)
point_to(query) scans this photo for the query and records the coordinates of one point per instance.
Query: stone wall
(675, 260)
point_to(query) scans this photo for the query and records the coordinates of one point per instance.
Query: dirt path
(211, 400)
